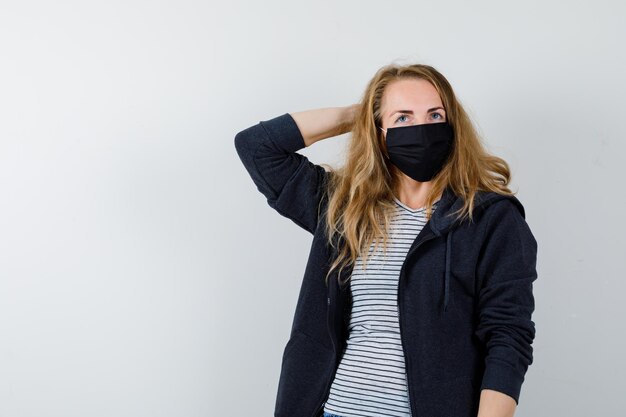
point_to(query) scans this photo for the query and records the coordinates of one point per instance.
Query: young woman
(417, 296)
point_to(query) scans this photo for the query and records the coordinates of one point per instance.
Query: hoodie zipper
(406, 374)
(319, 409)
(406, 358)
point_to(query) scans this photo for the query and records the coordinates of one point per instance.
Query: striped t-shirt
(371, 377)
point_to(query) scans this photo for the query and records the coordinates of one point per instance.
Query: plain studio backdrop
(143, 274)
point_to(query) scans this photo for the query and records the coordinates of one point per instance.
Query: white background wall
(142, 273)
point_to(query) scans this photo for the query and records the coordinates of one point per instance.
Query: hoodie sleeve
(291, 183)
(506, 272)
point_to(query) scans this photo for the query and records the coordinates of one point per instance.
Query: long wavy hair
(360, 193)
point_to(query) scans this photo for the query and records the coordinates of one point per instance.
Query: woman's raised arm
(324, 123)
(291, 183)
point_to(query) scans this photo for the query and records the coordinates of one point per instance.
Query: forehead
(404, 94)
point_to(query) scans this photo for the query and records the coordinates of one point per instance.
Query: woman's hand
(496, 404)
(318, 124)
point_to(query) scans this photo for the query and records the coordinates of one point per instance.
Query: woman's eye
(401, 116)
(437, 114)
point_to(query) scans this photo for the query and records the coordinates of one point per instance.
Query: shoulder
(505, 218)
(493, 203)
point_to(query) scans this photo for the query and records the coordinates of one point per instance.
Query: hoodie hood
(443, 222)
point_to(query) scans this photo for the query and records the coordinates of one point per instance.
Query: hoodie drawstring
(447, 272)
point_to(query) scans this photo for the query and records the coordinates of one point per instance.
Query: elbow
(241, 143)
(245, 146)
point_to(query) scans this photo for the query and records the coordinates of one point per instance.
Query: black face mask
(420, 151)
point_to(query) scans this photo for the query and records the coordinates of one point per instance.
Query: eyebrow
(411, 111)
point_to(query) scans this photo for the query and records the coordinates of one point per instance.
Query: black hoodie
(464, 295)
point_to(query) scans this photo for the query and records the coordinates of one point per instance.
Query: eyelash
(404, 115)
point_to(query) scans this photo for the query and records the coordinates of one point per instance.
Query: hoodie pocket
(305, 373)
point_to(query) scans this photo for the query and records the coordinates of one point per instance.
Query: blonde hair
(360, 194)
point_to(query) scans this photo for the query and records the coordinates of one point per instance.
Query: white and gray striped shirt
(371, 378)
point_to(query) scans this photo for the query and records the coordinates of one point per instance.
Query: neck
(413, 193)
